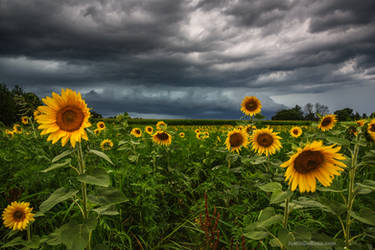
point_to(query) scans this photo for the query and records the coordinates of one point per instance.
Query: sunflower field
(70, 183)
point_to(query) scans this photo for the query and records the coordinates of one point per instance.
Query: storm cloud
(191, 59)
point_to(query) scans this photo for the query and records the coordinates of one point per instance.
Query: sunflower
(295, 132)
(249, 129)
(327, 122)
(106, 144)
(160, 125)
(199, 136)
(360, 123)
(251, 105)
(149, 130)
(36, 113)
(265, 141)
(314, 161)
(371, 129)
(136, 132)
(17, 129)
(25, 120)
(162, 138)
(206, 134)
(9, 132)
(18, 215)
(100, 125)
(197, 131)
(97, 131)
(64, 117)
(182, 134)
(236, 139)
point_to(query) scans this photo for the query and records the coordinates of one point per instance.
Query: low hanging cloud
(189, 58)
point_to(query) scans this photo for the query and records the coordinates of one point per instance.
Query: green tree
(345, 114)
(295, 113)
(8, 111)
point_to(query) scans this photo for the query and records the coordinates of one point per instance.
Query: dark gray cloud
(174, 57)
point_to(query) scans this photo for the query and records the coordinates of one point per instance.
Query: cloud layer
(189, 58)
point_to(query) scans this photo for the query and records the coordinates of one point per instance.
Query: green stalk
(28, 235)
(350, 200)
(32, 125)
(286, 213)
(82, 169)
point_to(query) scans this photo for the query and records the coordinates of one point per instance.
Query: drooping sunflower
(100, 125)
(149, 130)
(312, 162)
(327, 122)
(17, 215)
(251, 105)
(162, 138)
(236, 139)
(371, 129)
(64, 117)
(265, 141)
(182, 134)
(17, 129)
(136, 132)
(295, 132)
(160, 125)
(25, 120)
(106, 144)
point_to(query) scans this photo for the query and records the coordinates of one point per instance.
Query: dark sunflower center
(326, 121)
(295, 132)
(149, 129)
(162, 136)
(101, 125)
(236, 140)
(18, 215)
(308, 161)
(265, 140)
(69, 118)
(137, 131)
(251, 105)
(372, 128)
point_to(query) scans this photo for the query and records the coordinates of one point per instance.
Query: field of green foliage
(190, 193)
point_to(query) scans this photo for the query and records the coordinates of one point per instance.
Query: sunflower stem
(286, 213)
(83, 187)
(28, 235)
(32, 125)
(351, 196)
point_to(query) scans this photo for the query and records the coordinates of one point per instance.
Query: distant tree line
(311, 112)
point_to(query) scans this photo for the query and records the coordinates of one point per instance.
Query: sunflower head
(360, 123)
(17, 129)
(265, 141)
(197, 131)
(18, 215)
(327, 122)
(371, 129)
(206, 134)
(249, 129)
(100, 125)
(149, 130)
(136, 132)
(25, 120)
(251, 105)
(236, 139)
(97, 131)
(9, 132)
(182, 134)
(199, 136)
(312, 162)
(160, 125)
(295, 132)
(106, 144)
(352, 130)
(64, 117)
(162, 138)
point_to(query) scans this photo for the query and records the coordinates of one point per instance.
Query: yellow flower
(64, 117)
(18, 215)
(8, 132)
(218, 138)
(160, 125)
(371, 129)
(327, 122)
(97, 131)
(100, 125)
(265, 141)
(206, 134)
(314, 161)
(36, 113)
(360, 123)
(182, 134)
(17, 129)
(106, 144)
(162, 138)
(251, 105)
(149, 130)
(25, 120)
(197, 131)
(295, 132)
(136, 132)
(236, 139)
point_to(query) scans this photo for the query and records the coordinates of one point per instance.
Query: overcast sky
(192, 59)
